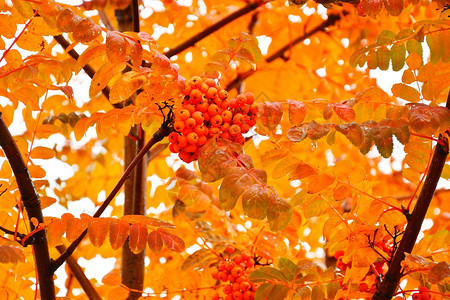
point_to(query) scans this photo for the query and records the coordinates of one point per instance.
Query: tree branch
(74, 54)
(389, 285)
(162, 132)
(332, 19)
(32, 205)
(86, 285)
(213, 28)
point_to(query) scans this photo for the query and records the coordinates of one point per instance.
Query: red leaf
(344, 111)
(172, 242)
(297, 112)
(75, 227)
(155, 241)
(316, 130)
(394, 7)
(138, 238)
(118, 233)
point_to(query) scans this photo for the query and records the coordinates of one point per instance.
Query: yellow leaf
(126, 86)
(103, 76)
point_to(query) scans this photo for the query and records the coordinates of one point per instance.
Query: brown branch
(332, 19)
(85, 283)
(74, 54)
(213, 28)
(32, 205)
(387, 288)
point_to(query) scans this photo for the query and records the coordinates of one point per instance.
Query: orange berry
(245, 128)
(190, 123)
(250, 263)
(211, 93)
(245, 286)
(236, 286)
(202, 106)
(174, 148)
(424, 289)
(239, 139)
(234, 129)
(230, 249)
(228, 297)
(225, 104)
(254, 108)
(198, 117)
(238, 119)
(206, 116)
(184, 156)
(216, 296)
(225, 135)
(190, 108)
(215, 274)
(227, 116)
(241, 279)
(214, 131)
(190, 148)
(238, 259)
(210, 82)
(200, 130)
(225, 127)
(204, 87)
(192, 138)
(178, 126)
(223, 94)
(236, 272)
(222, 266)
(195, 96)
(173, 137)
(249, 295)
(217, 101)
(202, 140)
(245, 256)
(241, 100)
(184, 114)
(237, 295)
(213, 110)
(195, 82)
(416, 296)
(228, 289)
(233, 103)
(181, 141)
(250, 98)
(216, 121)
(187, 90)
(229, 266)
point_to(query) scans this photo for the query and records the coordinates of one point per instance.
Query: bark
(133, 265)
(32, 204)
(389, 285)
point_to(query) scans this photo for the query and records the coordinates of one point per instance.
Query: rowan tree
(247, 144)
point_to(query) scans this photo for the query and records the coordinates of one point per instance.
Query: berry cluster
(423, 294)
(234, 272)
(207, 112)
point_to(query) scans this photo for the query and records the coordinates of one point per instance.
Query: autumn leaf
(172, 242)
(254, 201)
(138, 238)
(98, 230)
(86, 31)
(155, 241)
(115, 47)
(118, 233)
(279, 212)
(126, 86)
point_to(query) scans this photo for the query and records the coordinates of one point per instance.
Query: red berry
(230, 249)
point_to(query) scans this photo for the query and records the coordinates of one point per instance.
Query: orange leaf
(270, 114)
(155, 241)
(93, 51)
(115, 47)
(101, 78)
(98, 230)
(42, 152)
(118, 233)
(138, 238)
(36, 171)
(11, 254)
(126, 86)
(55, 231)
(75, 227)
(135, 53)
(319, 182)
(86, 31)
(406, 92)
(172, 242)
(67, 20)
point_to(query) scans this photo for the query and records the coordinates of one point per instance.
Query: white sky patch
(294, 19)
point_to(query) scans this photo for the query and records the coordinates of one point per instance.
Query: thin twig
(332, 19)
(162, 132)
